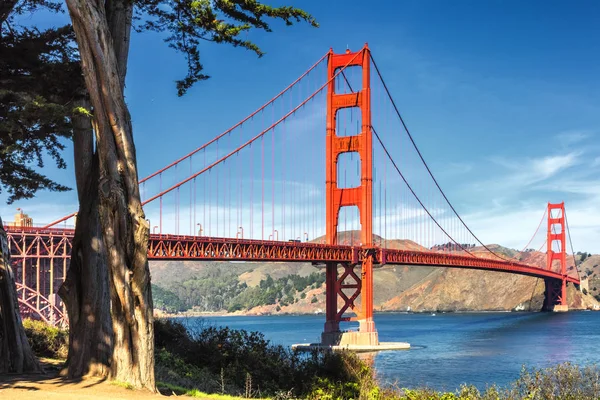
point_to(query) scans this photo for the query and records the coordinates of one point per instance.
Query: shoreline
(197, 314)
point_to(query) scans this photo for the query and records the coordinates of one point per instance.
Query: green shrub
(237, 362)
(46, 340)
(563, 381)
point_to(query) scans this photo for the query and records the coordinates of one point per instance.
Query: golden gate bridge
(256, 193)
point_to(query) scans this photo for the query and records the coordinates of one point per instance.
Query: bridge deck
(177, 247)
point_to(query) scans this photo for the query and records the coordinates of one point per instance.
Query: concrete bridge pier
(555, 295)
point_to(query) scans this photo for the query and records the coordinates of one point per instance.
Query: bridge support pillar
(555, 295)
(349, 287)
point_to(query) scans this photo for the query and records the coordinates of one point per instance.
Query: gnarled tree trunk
(85, 290)
(103, 43)
(15, 353)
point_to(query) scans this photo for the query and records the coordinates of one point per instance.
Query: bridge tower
(556, 290)
(348, 287)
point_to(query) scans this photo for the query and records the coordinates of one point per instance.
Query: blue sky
(502, 97)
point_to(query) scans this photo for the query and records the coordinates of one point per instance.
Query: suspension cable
(535, 233)
(255, 138)
(160, 171)
(415, 195)
(425, 164)
(260, 109)
(571, 242)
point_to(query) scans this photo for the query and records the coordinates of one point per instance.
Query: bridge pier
(555, 295)
(349, 287)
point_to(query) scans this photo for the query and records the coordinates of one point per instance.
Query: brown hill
(399, 288)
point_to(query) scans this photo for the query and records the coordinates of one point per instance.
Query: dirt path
(51, 386)
(48, 388)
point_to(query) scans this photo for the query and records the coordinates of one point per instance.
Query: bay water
(449, 349)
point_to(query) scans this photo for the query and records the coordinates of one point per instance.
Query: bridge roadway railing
(181, 247)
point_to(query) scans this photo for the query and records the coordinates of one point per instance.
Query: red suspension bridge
(255, 193)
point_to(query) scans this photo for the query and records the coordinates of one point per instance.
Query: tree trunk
(15, 353)
(85, 290)
(123, 227)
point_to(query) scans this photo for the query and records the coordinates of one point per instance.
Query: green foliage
(174, 370)
(35, 110)
(190, 22)
(46, 340)
(222, 360)
(563, 381)
(222, 291)
(166, 300)
(358, 380)
(314, 299)
(124, 385)
(270, 291)
(169, 389)
(209, 293)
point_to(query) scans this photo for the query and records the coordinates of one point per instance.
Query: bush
(313, 300)
(238, 362)
(563, 381)
(46, 340)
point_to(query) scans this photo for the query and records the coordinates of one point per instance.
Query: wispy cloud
(572, 137)
(513, 227)
(522, 173)
(546, 167)
(516, 196)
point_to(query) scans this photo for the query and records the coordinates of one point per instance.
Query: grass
(124, 385)
(45, 340)
(167, 388)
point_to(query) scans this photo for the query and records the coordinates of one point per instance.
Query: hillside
(263, 288)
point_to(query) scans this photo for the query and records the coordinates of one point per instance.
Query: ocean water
(454, 348)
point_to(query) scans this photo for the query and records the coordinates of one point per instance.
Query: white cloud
(572, 137)
(546, 167)
(521, 174)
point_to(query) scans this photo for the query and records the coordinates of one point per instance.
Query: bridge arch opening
(348, 122)
(348, 170)
(350, 80)
(349, 227)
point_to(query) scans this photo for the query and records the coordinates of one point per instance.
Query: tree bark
(123, 227)
(85, 290)
(16, 355)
